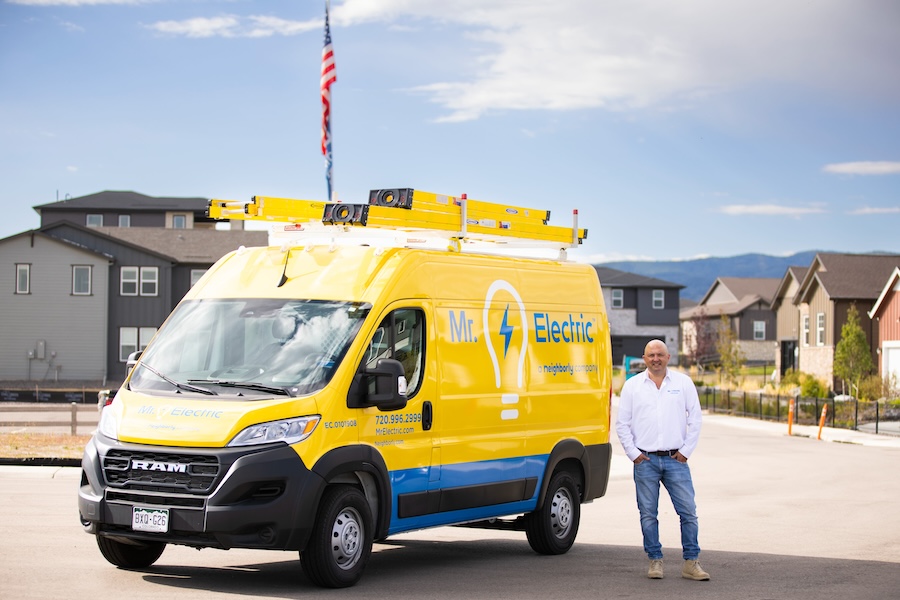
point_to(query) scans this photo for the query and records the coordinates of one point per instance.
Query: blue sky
(677, 128)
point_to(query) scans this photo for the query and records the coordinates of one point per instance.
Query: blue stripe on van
(460, 475)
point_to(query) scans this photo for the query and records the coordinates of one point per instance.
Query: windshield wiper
(179, 385)
(250, 385)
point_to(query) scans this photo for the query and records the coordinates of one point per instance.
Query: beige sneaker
(693, 570)
(656, 569)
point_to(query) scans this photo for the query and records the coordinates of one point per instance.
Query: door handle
(427, 415)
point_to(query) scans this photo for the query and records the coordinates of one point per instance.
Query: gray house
(639, 309)
(129, 209)
(86, 296)
(54, 310)
(746, 303)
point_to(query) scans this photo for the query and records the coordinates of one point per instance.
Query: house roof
(790, 275)
(187, 245)
(125, 201)
(739, 292)
(70, 243)
(614, 278)
(847, 276)
(203, 246)
(890, 285)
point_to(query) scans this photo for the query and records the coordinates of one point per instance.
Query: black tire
(341, 540)
(137, 555)
(552, 528)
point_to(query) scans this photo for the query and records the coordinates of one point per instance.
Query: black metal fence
(844, 414)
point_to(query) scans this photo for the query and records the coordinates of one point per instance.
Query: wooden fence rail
(69, 412)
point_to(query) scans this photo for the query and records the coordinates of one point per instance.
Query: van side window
(401, 336)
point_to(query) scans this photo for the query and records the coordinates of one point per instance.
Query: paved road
(781, 517)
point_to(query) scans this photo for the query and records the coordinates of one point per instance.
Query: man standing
(659, 426)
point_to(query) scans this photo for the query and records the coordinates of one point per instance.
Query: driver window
(401, 336)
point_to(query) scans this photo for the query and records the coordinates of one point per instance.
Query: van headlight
(109, 424)
(289, 431)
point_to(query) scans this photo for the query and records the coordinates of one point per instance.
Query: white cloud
(769, 210)
(199, 27)
(74, 2)
(867, 210)
(574, 54)
(618, 55)
(882, 167)
(234, 26)
(72, 169)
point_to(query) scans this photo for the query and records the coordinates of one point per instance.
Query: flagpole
(329, 76)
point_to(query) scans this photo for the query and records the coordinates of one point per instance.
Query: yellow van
(320, 397)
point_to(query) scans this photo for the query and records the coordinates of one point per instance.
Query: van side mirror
(390, 385)
(131, 361)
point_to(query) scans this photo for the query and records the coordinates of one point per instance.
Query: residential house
(86, 296)
(886, 315)
(746, 303)
(639, 309)
(130, 209)
(787, 322)
(832, 284)
(54, 310)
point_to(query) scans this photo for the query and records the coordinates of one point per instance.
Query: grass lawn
(42, 445)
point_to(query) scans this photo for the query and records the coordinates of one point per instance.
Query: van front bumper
(262, 497)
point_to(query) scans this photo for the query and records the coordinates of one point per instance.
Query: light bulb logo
(506, 332)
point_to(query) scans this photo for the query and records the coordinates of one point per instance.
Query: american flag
(328, 77)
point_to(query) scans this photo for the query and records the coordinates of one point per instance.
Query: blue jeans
(676, 477)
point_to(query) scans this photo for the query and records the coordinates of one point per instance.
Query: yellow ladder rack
(408, 210)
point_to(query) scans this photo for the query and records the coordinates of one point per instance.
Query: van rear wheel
(552, 528)
(136, 555)
(341, 540)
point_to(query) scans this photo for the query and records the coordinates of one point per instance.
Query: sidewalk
(829, 434)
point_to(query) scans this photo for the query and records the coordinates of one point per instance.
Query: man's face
(656, 357)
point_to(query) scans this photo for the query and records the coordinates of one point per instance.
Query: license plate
(150, 519)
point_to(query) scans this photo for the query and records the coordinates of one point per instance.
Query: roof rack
(408, 217)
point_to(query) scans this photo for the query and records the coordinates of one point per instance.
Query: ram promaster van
(332, 392)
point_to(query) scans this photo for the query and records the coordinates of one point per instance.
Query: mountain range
(698, 275)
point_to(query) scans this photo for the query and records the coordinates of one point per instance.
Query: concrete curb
(40, 462)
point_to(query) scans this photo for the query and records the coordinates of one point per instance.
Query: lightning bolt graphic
(506, 331)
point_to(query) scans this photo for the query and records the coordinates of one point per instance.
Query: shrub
(873, 387)
(810, 387)
(791, 379)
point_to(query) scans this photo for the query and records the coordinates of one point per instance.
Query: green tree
(730, 356)
(852, 355)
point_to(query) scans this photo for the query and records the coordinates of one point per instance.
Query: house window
(659, 299)
(179, 221)
(143, 281)
(132, 339)
(196, 274)
(94, 221)
(806, 330)
(759, 330)
(618, 298)
(820, 329)
(149, 281)
(128, 281)
(127, 342)
(81, 280)
(23, 279)
(124, 220)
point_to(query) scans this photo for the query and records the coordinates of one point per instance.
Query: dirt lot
(42, 445)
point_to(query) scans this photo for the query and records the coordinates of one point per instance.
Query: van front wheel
(341, 541)
(552, 528)
(130, 555)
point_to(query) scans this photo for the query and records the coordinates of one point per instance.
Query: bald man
(659, 426)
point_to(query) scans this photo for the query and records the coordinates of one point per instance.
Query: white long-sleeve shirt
(654, 419)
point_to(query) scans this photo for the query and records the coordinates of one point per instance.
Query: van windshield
(249, 347)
